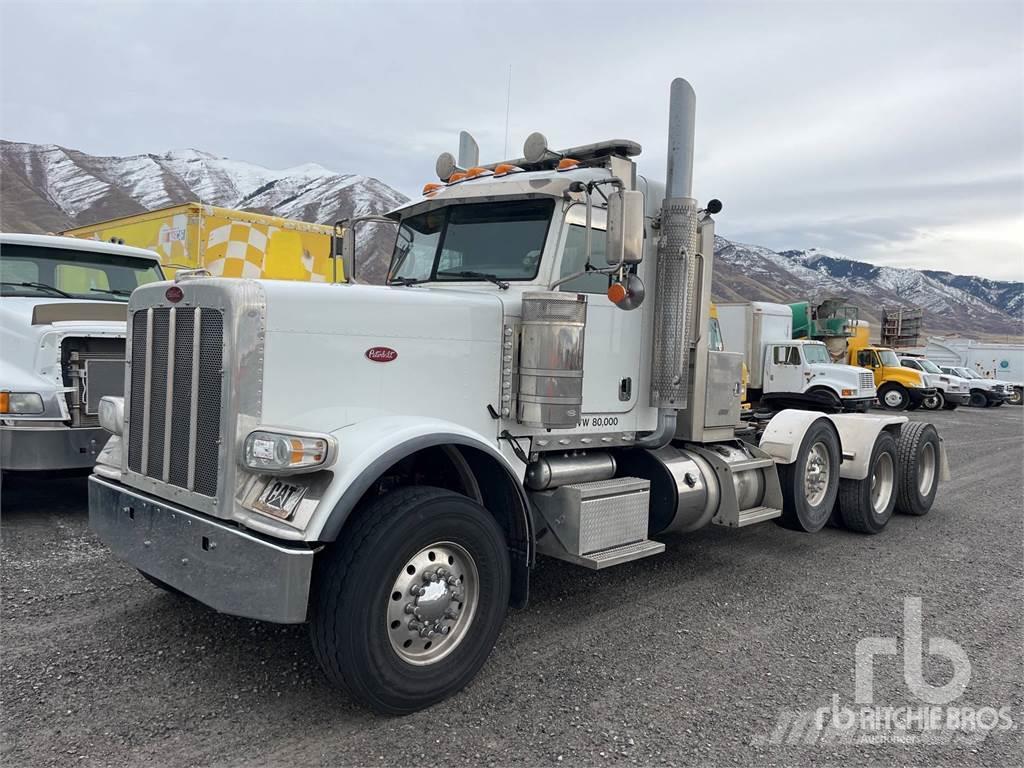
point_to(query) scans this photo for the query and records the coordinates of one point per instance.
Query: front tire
(408, 606)
(893, 397)
(866, 505)
(1017, 396)
(934, 402)
(919, 452)
(810, 484)
(978, 399)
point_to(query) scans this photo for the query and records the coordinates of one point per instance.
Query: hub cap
(816, 474)
(893, 398)
(432, 603)
(882, 476)
(926, 469)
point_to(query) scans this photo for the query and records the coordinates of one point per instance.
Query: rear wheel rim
(926, 469)
(882, 483)
(817, 470)
(432, 603)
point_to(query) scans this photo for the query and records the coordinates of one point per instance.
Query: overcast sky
(892, 132)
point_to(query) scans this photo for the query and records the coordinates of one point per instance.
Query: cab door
(785, 370)
(868, 358)
(613, 338)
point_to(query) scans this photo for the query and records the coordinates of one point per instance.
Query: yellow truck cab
(899, 388)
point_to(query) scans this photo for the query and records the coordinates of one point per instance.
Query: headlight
(21, 402)
(277, 452)
(112, 414)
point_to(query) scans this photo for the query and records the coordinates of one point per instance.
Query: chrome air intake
(676, 302)
(551, 359)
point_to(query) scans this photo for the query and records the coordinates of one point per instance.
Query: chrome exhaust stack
(676, 299)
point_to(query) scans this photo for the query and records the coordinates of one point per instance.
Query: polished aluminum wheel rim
(816, 474)
(883, 476)
(432, 603)
(926, 469)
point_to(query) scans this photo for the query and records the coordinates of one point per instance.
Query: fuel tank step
(757, 515)
(616, 555)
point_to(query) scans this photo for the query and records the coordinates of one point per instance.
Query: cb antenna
(508, 103)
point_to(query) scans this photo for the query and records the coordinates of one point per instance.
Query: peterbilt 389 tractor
(387, 463)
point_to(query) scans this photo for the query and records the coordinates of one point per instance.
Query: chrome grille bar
(169, 399)
(194, 401)
(146, 390)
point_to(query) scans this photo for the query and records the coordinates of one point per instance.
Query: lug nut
(409, 607)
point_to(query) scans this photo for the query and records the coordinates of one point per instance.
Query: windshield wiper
(39, 286)
(479, 275)
(112, 291)
(406, 281)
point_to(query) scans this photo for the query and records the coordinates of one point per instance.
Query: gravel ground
(691, 657)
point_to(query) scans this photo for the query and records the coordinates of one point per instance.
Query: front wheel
(893, 397)
(978, 399)
(934, 402)
(409, 604)
(809, 484)
(1016, 396)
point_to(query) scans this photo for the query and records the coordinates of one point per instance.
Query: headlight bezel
(287, 451)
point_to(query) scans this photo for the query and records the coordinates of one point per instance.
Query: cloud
(890, 132)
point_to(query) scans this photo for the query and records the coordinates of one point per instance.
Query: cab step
(757, 515)
(596, 524)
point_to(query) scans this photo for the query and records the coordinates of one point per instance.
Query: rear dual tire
(919, 455)
(867, 505)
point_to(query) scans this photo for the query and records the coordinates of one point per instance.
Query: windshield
(929, 366)
(503, 240)
(32, 270)
(816, 353)
(889, 358)
(967, 373)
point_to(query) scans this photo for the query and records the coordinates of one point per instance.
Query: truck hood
(847, 374)
(338, 354)
(31, 350)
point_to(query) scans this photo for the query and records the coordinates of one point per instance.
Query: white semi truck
(788, 372)
(63, 312)
(386, 463)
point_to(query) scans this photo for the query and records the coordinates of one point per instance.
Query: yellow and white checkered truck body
(227, 242)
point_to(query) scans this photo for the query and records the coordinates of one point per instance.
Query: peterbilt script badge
(381, 354)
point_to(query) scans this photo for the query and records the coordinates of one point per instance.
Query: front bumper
(957, 398)
(52, 448)
(227, 568)
(919, 394)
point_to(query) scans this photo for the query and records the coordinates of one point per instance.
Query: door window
(867, 359)
(574, 258)
(786, 356)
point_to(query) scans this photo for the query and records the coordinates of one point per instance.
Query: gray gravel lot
(690, 657)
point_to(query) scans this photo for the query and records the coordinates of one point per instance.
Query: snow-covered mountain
(951, 303)
(47, 188)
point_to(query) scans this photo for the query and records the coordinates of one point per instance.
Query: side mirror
(348, 253)
(625, 227)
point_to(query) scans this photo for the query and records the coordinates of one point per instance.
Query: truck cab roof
(76, 244)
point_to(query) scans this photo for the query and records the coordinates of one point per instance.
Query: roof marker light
(473, 173)
(503, 169)
(431, 187)
(567, 164)
(457, 176)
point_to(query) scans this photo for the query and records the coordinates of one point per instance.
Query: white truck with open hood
(388, 462)
(63, 311)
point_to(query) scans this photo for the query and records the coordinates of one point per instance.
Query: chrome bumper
(227, 568)
(36, 448)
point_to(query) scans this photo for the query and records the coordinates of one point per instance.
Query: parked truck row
(538, 378)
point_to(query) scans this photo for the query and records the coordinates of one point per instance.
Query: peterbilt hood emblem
(381, 354)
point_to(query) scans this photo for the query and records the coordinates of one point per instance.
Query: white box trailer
(991, 360)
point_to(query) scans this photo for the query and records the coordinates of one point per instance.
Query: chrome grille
(867, 380)
(174, 427)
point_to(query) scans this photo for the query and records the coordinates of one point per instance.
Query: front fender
(368, 448)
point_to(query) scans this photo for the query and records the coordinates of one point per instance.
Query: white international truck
(386, 463)
(63, 312)
(788, 372)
